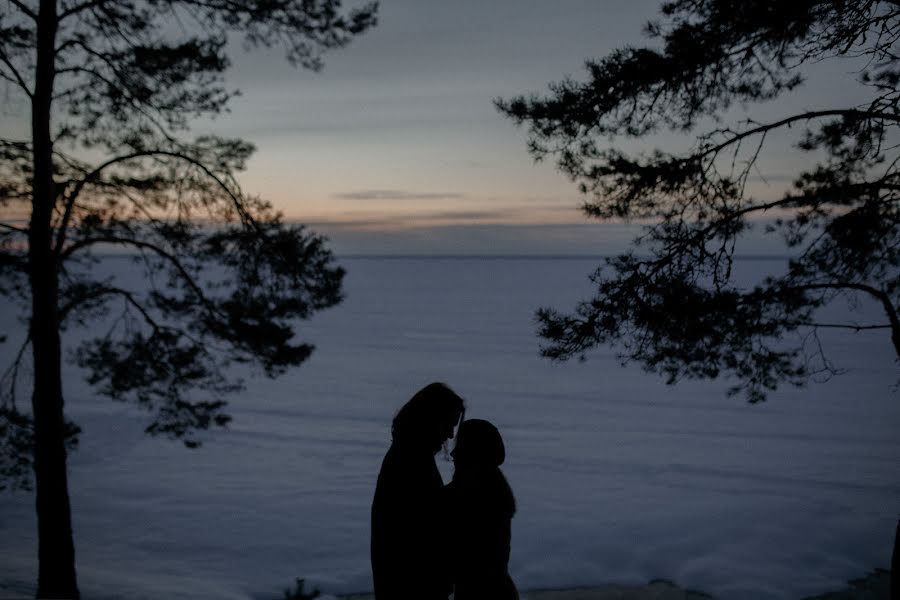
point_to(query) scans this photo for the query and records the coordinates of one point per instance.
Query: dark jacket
(408, 542)
(482, 508)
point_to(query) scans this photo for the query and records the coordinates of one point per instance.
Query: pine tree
(113, 86)
(671, 302)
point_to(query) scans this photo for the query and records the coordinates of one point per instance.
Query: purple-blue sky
(396, 147)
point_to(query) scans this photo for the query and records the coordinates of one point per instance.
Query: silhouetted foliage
(671, 303)
(112, 86)
(16, 448)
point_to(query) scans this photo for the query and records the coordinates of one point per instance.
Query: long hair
(427, 409)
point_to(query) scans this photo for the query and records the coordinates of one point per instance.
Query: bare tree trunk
(56, 550)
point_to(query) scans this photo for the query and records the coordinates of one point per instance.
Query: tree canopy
(671, 303)
(110, 165)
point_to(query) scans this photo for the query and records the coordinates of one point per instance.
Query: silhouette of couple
(429, 539)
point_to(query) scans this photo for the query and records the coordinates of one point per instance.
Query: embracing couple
(429, 540)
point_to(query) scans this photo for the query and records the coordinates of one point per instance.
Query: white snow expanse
(619, 478)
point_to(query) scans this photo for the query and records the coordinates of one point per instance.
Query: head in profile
(478, 446)
(477, 457)
(481, 506)
(429, 417)
(408, 527)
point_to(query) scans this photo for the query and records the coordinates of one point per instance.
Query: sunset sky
(396, 147)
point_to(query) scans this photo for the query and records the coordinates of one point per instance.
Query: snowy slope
(619, 478)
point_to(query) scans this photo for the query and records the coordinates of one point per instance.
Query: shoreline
(657, 589)
(875, 585)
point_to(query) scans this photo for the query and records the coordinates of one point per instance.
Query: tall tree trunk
(56, 550)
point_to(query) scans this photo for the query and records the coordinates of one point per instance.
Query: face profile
(478, 443)
(445, 428)
(429, 418)
(430, 540)
(409, 528)
(481, 506)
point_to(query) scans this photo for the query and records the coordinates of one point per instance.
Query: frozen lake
(619, 478)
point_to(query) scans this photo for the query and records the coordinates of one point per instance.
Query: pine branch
(876, 293)
(24, 8)
(78, 8)
(807, 116)
(11, 374)
(99, 292)
(16, 76)
(9, 227)
(144, 245)
(95, 174)
(842, 326)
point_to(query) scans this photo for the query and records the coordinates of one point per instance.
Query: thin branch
(135, 103)
(25, 9)
(169, 257)
(134, 302)
(106, 291)
(79, 8)
(842, 285)
(17, 77)
(878, 294)
(8, 79)
(93, 175)
(21, 230)
(827, 370)
(12, 372)
(842, 326)
(136, 203)
(794, 118)
(70, 162)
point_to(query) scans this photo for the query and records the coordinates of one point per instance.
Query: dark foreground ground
(875, 586)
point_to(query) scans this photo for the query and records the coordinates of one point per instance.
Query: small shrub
(299, 593)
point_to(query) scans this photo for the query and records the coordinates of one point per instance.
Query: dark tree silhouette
(112, 86)
(671, 303)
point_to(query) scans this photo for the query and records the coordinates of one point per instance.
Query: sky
(395, 147)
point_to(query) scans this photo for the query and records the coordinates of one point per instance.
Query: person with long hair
(409, 523)
(481, 507)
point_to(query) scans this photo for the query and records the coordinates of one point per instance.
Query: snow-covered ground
(619, 478)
